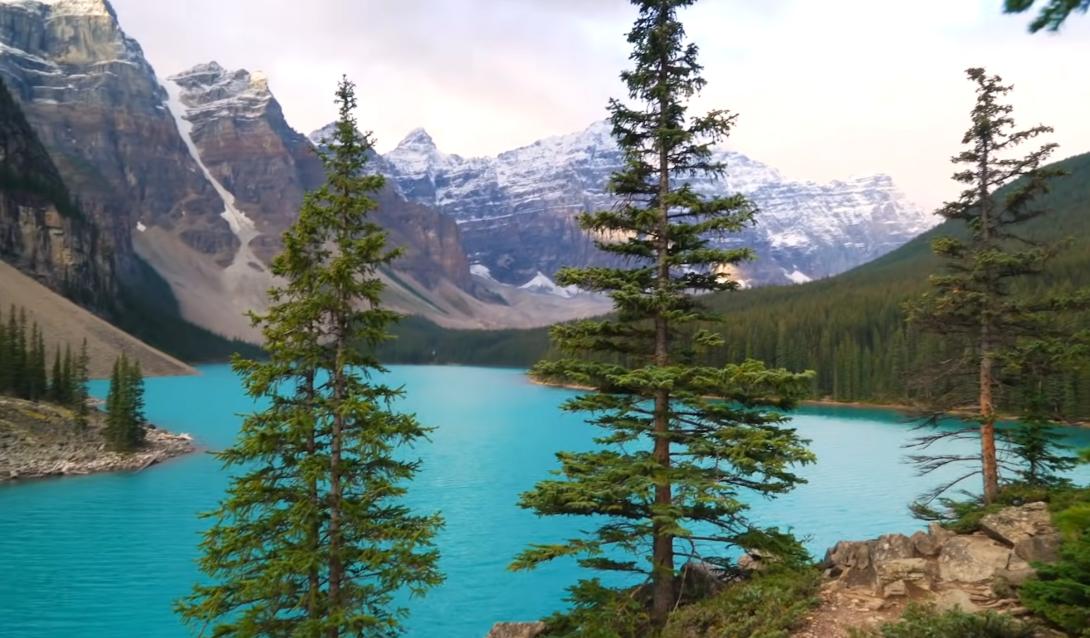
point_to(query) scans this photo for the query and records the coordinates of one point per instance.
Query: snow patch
(797, 277)
(482, 271)
(542, 284)
(70, 7)
(240, 224)
(141, 227)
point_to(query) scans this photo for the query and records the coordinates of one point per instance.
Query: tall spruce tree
(56, 380)
(125, 406)
(68, 374)
(7, 359)
(673, 464)
(987, 324)
(314, 538)
(80, 395)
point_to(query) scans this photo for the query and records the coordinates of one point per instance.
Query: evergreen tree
(314, 539)
(56, 381)
(972, 307)
(670, 457)
(20, 364)
(134, 407)
(1053, 14)
(125, 406)
(68, 376)
(80, 395)
(113, 406)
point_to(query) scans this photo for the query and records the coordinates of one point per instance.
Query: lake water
(104, 556)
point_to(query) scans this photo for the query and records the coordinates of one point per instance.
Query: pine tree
(21, 371)
(972, 307)
(671, 458)
(56, 381)
(80, 395)
(112, 431)
(1053, 14)
(68, 375)
(134, 408)
(313, 539)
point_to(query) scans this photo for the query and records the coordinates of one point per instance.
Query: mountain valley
(197, 173)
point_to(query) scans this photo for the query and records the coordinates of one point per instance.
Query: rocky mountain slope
(63, 322)
(516, 209)
(41, 231)
(199, 174)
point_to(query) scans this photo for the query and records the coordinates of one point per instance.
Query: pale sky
(824, 89)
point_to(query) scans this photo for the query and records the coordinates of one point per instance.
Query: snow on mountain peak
(418, 137)
(71, 7)
(210, 87)
(322, 135)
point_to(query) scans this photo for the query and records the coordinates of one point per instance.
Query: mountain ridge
(516, 208)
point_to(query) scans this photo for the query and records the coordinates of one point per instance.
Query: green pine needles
(313, 539)
(999, 342)
(673, 464)
(125, 420)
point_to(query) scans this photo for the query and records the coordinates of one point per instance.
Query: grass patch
(769, 605)
(921, 621)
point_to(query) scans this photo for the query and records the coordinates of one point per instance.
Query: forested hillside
(850, 329)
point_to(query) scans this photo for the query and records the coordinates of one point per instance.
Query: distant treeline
(25, 371)
(850, 329)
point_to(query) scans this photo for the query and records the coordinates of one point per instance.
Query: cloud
(824, 89)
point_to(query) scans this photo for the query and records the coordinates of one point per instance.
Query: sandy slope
(63, 321)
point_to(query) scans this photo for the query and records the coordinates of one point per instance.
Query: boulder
(925, 544)
(1016, 524)
(1040, 549)
(971, 559)
(892, 547)
(1016, 577)
(955, 599)
(516, 630)
(916, 573)
(939, 533)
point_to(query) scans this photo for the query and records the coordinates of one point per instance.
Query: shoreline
(896, 407)
(39, 440)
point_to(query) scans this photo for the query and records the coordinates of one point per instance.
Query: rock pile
(967, 570)
(39, 440)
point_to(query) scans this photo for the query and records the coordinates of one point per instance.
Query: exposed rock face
(516, 209)
(962, 570)
(95, 103)
(240, 132)
(41, 232)
(516, 630)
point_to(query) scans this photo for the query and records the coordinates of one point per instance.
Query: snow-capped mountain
(516, 210)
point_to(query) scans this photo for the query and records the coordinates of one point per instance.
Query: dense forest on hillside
(850, 329)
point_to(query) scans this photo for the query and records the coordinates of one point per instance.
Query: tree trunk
(987, 421)
(663, 544)
(987, 405)
(314, 610)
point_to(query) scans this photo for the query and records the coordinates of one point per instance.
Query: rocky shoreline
(38, 440)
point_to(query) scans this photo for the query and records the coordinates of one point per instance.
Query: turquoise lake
(104, 556)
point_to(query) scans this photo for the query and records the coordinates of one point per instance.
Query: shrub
(921, 621)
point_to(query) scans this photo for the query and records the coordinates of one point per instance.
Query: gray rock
(912, 572)
(516, 630)
(955, 599)
(893, 547)
(896, 588)
(1016, 524)
(971, 559)
(925, 544)
(1017, 577)
(1042, 549)
(939, 533)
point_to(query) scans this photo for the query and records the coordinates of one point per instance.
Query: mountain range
(198, 173)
